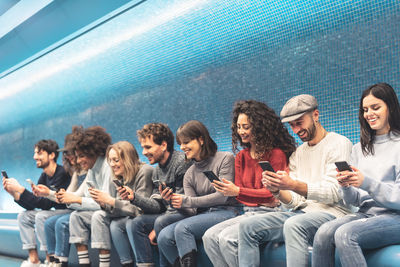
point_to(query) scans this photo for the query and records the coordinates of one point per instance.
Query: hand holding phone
(30, 182)
(343, 166)
(4, 174)
(90, 184)
(117, 183)
(266, 166)
(211, 176)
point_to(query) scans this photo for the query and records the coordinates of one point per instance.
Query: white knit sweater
(314, 165)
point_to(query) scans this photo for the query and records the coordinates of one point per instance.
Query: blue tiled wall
(196, 64)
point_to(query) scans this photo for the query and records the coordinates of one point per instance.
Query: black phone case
(343, 166)
(266, 166)
(4, 173)
(211, 176)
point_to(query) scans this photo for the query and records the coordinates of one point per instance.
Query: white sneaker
(27, 263)
(47, 264)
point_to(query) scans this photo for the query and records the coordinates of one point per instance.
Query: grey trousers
(31, 224)
(90, 225)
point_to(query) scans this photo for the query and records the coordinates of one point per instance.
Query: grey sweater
(141, 185)
(380, 191)
(172, 174)
(199, 192)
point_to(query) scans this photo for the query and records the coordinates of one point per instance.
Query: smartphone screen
(266, 166)
(343, 166)
(4, 173)
(211, 176)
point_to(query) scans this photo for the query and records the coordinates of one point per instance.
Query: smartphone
(158, 183)
(53, 188)
(118, 183)
(266, 166)
(90, 184)
(211, 176)
(343, 166)
(30, 182)
(4, 173)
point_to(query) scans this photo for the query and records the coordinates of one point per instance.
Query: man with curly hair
(157, 141)
(309, 191)
(90, 147)
(32, 220)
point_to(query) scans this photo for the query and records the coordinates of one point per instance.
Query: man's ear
(315, 115)
(164, 145)
(52, 156)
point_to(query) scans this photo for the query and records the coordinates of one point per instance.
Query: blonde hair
(129, 158)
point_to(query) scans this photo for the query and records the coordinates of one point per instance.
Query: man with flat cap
(309, 192)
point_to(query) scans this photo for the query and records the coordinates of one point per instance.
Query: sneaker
(27, 263)
(46, 264)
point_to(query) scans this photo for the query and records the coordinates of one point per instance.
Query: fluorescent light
(91, 50)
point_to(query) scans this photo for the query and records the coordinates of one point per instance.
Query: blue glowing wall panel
(172, 61)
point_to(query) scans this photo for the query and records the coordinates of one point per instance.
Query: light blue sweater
(380, 190)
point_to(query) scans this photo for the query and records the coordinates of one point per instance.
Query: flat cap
(297, 106)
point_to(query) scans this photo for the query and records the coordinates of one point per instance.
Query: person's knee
(246, 227)
(75, 218)
(324, 234)
(23, 218)
(161, 222)
(209, 238)
(134, 225)
(117, 226)
(49, 224)
(344, 237)
(163, 238)
(98, 217)
(226, 242)
(61, 225)
(292, 225)
(183, 228)
(41, 217)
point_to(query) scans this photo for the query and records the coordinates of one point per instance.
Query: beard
(311, 132)
(43, 164)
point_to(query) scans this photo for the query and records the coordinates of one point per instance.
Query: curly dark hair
(160, 132)
(267, 130)
(92, 141)
(48, 145)
(387, 94)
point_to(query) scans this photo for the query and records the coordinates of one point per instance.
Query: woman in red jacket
(263, 137)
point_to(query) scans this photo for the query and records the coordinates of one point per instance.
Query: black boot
(177, 262)
(189, 260)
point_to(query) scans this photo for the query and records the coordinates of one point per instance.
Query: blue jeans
(178, 239)
(120, 239)
(57, 234)
(221, 240)
(351, 233)
(297, 229)
(138, 230)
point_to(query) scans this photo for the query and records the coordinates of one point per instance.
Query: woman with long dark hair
(372, 185)
(209, 207)
(263, 137)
